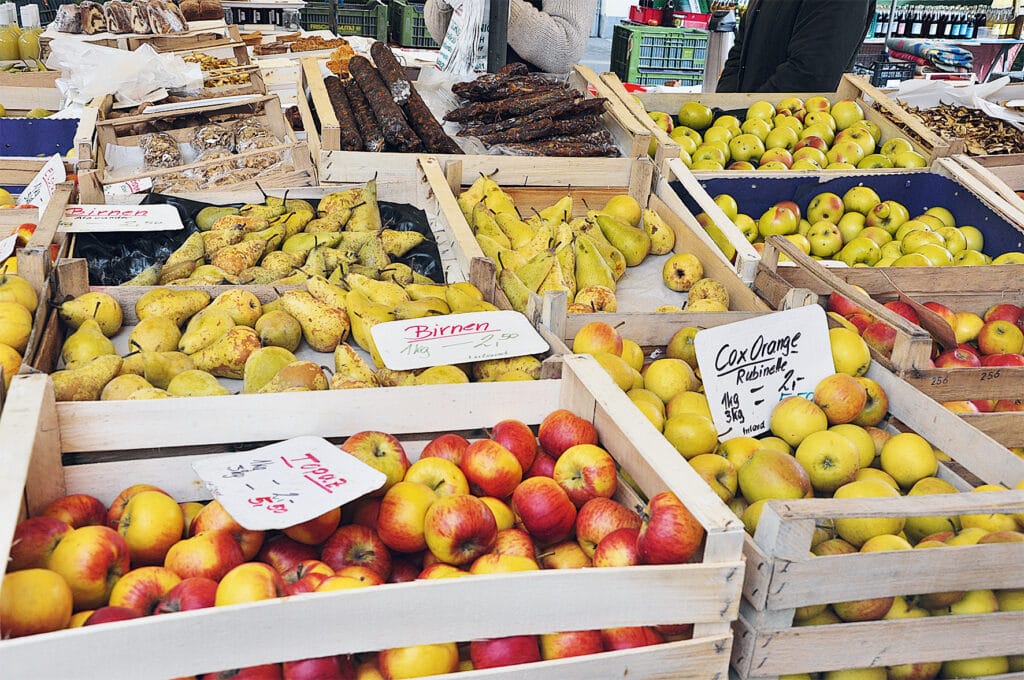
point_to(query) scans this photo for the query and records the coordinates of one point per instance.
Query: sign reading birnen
(101, 218)
(749, 366)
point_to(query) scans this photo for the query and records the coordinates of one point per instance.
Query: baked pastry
(93, 19)
(68, 19)
(260, 161)
(118, 15)
(202, 10)
(247, 132)
(160, 150)
(165, 17)
(140, 16)
(215, 171)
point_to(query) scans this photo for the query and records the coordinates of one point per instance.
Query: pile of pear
(283, 241)
(185, 342)
(552, 250)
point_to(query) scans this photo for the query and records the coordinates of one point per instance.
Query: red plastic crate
(647, 16)
(690, 20)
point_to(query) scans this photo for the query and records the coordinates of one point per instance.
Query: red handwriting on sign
(419, 332)
(268, 503)
(315, 473)
(78, 211)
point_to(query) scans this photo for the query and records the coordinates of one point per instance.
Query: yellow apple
(830, 459)
(908, 457)
(858, 530)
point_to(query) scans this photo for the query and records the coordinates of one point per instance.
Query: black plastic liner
(117, 257)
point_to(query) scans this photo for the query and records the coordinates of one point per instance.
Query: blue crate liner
(30, 137)
(918, 191)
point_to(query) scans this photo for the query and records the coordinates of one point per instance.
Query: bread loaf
(93, 19)
(165, 17)
(68, 19)
(140, 16)
(118, 16)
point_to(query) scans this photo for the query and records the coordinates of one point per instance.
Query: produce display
(982, 134)
(294, 43)
(513, 501)
(531, 115)
(860, 229)
(18, 302)
(217, 71)
(797, 135)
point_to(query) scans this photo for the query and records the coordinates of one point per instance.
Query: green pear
(204, 329)
(339, 200)
(122, 386)
(461, 302)
(209, 275)
(86, 382)
(365, 214)
(382, 292)
(85, 344)
(262, 365)
(195, 383)
(226, 357)
(515, 290)
(323, 326)
(100, 307)
(150, 276)
(177, 305)
(591, 268)
(417, 309)
(217, 240)
(194, 248)
(633, 243)
(210, 214)
(149, 393)
(303, 242)
(364, 314)
(160, 367)
(282, 263)
(533, 273)
(372, 255)
(243, 306)
(278, 328)
(398, 243)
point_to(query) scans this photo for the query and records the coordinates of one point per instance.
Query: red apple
(400, 521)
(517, 437)
(629, 637)
(618, 549)
(586, 471)
(670, 534)
(34, 540)
(842, 306)
(964, 347)
(570, 643)
(109, 614)
(210, 554)
(381, 451)
(545, 509)
(791, 207)
(270, 671)
(191, 593)
(142, 589)
(861, 321)
(321, 668)
(984, 405)
(440, 474)
(841, 397)
(364, 511)
(77, 510)
(441, 570)
(213, 517)
(1003, 311)
(562, 429)
(514, 542)
(359, 545)
(459, 529)
(305, 568)
(598, 518)
(1004, 405)
(492, 470)
(957, 358)
(959, 406)
(812, 140)
(543, 466)
(875, 409)
(904, 310)
(91, 559)
(880, 336)
(403, 570)
(945, 312)
(315, 531)
(283, 553)
(1002, 360)
(448, 446)
(506, 651)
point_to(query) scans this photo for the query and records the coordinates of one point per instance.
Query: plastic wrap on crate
(37, 136)
(917, 191)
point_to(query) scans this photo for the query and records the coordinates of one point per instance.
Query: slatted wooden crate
(324, 137)
(912, 352)
(1002, 174)
(872, 100)
(41, 433)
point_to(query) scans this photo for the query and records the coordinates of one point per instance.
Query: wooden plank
(1001, 179)
(34, 258)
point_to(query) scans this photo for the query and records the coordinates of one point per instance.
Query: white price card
(103, 218)
(284, 484)
(7, 246)
(42, 186)
(456, 339)
(750, 366)
(127, 188)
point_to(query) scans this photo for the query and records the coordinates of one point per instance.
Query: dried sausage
(397, 132)
(373, 138)
(350, 139)
(435, 139)
(391, 71)
(508, 108)
(561, 148)
(542, 128)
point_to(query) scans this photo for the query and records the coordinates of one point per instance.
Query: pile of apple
(799, 135)
(18, 302)
(859, 229)
(496, 505)
(828, 446)
(994, 339)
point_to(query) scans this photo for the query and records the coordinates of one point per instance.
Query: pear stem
(97, 309)
(261, 191)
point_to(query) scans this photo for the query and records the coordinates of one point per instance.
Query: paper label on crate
(127, 188)
(103, 218)
(456, 339)
(750, 366)
(42, 186)
(7, 246)
(284, 484)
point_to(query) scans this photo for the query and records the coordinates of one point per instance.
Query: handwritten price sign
(455, 339)
(750, 366)
(284, 484)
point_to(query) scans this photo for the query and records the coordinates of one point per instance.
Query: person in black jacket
(795, 45)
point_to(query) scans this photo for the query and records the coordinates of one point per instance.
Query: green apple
(746, 147)
(661, 119)
(859, 250)
(943, 214)
(709, 152)
(726, 121)
(969, 258)
(877, 234)
(695, 115)
(820, 118)
(779, 155)
(846, 112)
(861, 137)
(912, 260)
(790, 122)
(825, 239)
(936, 254)
(860, 199)
(931, 220)
(888, 215)
(790, 104)
(871, 127)
(909, 226)
(909, 159)
(757, 127)
(840, 165)
(748, 226)
(850, 225)
(805, 164)
(706, 164)
(845, 152)
(894, 146)
(718, 134)
(891, 249)
(777, 221)
(825, 206)
(682, 136)
(875, 161)
(915, 239)
(783, 137)
(772, 165)
(975, 239)
(955, 240)
(761, 109)
(818, 130)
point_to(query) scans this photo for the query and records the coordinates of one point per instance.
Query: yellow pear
(204, 329)
(226, 357)
(323, 326)
(101, 307)
(278, 328)
(304, 374)
(86, 382)
(85, 344)
(262, 365)
(243, 306)
(121, 387)
(177, 305)
(350, 366)
(160, 367)
(195, 383)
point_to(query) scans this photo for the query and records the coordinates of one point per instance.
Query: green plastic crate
(369, 20)
(408, 28)
(679, 78)
(316, 16)
(653, 49)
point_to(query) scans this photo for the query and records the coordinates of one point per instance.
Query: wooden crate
(231, 47)
(870, 98)
(912, 352)
(551, 310)
(782, 575)
(1002, 174)
(27, 91)
(707, 593)
(200, 34)
(1001, 223)
(338, 166)
(117, 131)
